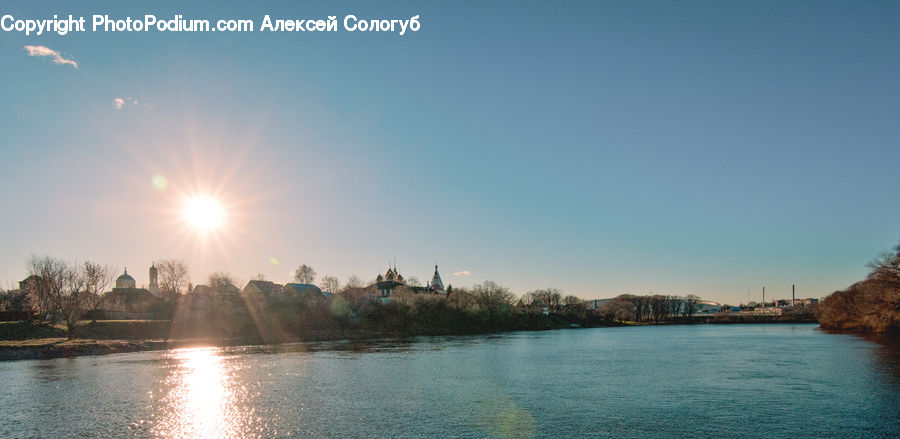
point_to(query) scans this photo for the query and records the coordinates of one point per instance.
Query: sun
(203, 213)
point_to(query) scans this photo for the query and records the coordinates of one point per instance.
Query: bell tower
(154, 282)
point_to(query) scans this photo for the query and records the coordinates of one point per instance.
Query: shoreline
(56, 347)
(53, 348)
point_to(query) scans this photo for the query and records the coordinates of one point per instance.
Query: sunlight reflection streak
(202, 400)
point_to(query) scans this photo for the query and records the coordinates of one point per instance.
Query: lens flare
(160, 182)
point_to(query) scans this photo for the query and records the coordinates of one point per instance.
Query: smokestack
(764, 297)
(793, 294)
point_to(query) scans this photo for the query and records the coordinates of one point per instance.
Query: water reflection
(498, 415)
(888, 353)
(202, 399)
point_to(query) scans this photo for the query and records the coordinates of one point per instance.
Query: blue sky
(598, 147)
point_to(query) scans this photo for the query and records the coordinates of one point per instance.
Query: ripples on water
(679, 381)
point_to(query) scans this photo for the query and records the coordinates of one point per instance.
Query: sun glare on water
(203, 213)
(200, 398)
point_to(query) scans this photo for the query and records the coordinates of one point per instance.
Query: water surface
(755, 381)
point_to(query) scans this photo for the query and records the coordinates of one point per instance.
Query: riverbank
(24, 340)
(60, 347)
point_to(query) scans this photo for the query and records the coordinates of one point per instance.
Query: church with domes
(387, 283)
(127, 297)
(392, 279)
(125, 281)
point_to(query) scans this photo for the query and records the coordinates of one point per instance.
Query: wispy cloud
(54, 55)
(120, 103)
(462, 273)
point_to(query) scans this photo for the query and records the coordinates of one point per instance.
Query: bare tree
(14, 300)
(690, 304)
(460, 298)
(529, 302)
(259, 276)
(330, 284)
(97, 279)
(886, 266)
(46, 279)
(413, 281)
(57, 289)
(642, 307)
(71, 297)
(574, 305)
(173, 277)
(222, 283)
(555, 298)
(676, 306)
(620, 308)
(492, 297)
(305, 274)
(356, 297)
(549, 297)
(659, 305)
(354, 282)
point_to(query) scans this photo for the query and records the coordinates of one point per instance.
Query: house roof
(201, 289)
(300, 288)
(264, 287)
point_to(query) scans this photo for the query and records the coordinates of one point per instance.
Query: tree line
(655, 308)
(64, 292)
(58, 291)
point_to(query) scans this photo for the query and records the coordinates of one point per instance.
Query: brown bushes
(872, 305)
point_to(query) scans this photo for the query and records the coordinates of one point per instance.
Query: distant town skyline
(596, 147)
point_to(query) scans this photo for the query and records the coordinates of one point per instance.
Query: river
(756, 381)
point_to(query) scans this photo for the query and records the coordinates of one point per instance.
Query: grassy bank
(25, 340)
(61, 347)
